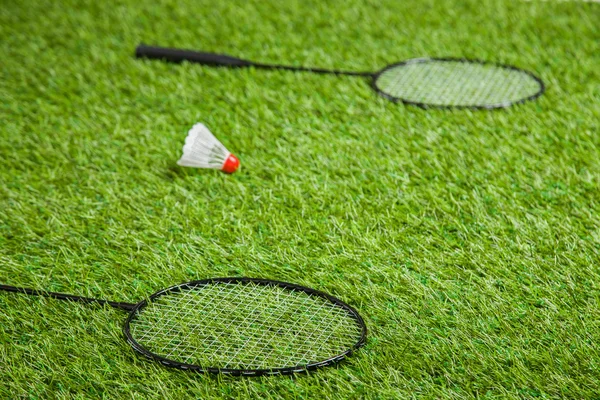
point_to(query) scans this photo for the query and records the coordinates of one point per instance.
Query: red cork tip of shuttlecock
(231, 164)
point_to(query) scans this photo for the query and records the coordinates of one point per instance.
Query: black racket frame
(464, 60)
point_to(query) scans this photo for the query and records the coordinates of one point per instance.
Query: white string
(244, 325)
(457, 83)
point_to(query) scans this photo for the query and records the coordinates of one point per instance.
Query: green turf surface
(469, 241)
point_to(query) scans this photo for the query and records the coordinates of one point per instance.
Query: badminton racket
(238, 326)
(424, 82)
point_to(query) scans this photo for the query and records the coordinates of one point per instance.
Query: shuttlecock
(203, 150)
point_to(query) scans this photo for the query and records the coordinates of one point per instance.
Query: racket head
(456, 83)
(211, 325)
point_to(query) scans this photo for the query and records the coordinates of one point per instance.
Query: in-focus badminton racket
(238, 326)
(424, 82)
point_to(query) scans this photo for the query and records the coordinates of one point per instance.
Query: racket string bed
(170, 313)
(457, 83)
(303, 349)
(445, 84)
(246, 331)
(311, 354)
(461, 86)
(410, 84)
(173, 320)
(166, 309)
(249, 339)
(270, 343)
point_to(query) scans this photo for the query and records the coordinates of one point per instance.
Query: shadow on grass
(175, 172)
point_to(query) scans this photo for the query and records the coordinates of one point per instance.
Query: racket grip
(179, 55)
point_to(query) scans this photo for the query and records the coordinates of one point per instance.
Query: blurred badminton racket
(238, 326)
(424, 82)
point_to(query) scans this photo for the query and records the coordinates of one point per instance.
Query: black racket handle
(178, 55)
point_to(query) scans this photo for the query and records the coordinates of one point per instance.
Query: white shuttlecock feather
(203, 150)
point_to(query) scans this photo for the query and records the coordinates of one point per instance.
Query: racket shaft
(178, 55)
(63, 296)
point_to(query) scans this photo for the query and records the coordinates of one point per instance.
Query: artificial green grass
(469, 241)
